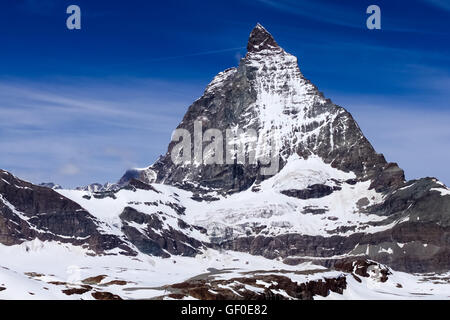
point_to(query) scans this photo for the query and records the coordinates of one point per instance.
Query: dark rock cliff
(30, 212)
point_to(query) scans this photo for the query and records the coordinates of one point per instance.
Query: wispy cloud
(70, 103)
(352, 14)
(82, 132)
(195, 54)
(413, 134)
(69, 169)
(328, 12)
(41, 7)
(441, 4)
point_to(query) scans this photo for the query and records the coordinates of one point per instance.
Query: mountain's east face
(333, 200)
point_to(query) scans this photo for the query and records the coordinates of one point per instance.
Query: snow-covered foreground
(36, 270)
(53, 270)
(46, 270)
(399, 286)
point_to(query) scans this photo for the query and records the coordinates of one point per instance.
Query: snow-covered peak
(50, 185)
(268, 94)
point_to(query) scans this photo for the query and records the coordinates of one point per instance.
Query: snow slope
(243, 211)
(48, 270)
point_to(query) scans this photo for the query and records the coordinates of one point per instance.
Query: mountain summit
(261, 39)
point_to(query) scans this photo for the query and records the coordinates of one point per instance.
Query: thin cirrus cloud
(69, 169)
(409, 127)
(347, 14)
(81, 133)
(140, 105)
(405, 131)
(441, 4)
(319, 11)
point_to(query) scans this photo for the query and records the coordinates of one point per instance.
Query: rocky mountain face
(333, 200)
(268, 93)
(33, 212)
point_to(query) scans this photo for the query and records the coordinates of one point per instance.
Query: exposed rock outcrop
(312, 192)
(30, 212)
(146, 232)
(255, 287)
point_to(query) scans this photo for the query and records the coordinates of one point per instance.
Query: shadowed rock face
(313, 191)
(255, 287)
(28, 212)
(268, 93)
(153, 239)
(260, 40)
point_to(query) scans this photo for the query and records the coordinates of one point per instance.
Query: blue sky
(83, 106)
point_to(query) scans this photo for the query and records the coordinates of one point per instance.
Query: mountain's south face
(332, 201)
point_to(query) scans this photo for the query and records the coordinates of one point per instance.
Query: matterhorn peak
(261, 39)
(267, 93)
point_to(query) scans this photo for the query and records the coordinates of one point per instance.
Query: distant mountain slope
(30, 212)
